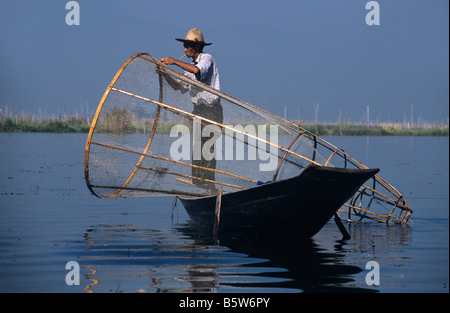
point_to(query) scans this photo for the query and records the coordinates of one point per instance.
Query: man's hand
(185, 66)
(168, 60)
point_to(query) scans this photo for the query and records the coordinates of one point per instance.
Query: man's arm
(172, 83)
(185, 66)
(175, 84)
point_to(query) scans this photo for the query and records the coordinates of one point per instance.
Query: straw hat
(194, 35)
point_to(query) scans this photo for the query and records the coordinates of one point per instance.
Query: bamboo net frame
(120, 161)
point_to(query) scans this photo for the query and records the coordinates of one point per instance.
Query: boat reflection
(132, 258)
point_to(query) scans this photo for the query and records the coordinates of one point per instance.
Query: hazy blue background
(270, 53)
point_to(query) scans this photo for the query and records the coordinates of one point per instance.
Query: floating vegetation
(24, 124)
(117, 122)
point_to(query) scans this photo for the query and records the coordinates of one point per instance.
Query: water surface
(48, 218)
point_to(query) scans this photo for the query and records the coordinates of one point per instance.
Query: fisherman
(203, 69)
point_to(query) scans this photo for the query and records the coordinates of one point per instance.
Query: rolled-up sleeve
(208, 75)
(205, 66)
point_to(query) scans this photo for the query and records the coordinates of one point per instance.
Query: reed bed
(79, 124)
(388, 129)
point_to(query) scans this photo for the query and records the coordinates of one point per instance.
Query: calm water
(48, 218)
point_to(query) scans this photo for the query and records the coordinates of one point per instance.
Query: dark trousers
(213, 113)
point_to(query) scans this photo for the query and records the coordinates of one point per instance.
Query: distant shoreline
(26, 125)
(345, 129)
(82, 125)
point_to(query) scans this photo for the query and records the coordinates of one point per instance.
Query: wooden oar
(217, 214)
(341, 226)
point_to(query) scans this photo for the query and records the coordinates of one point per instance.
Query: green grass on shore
(344, 129)
(81, 125)
(45, 126)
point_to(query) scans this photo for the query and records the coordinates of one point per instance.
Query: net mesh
(157, 132)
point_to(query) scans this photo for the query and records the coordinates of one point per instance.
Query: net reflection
(133, 258)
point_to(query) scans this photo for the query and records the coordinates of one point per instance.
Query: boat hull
(298, 206)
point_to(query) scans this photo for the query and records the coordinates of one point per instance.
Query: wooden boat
(300, 206)
(133, 149)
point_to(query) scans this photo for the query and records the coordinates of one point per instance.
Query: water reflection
(45, 210)
(132, 258)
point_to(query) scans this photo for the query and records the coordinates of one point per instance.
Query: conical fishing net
(158, 132)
